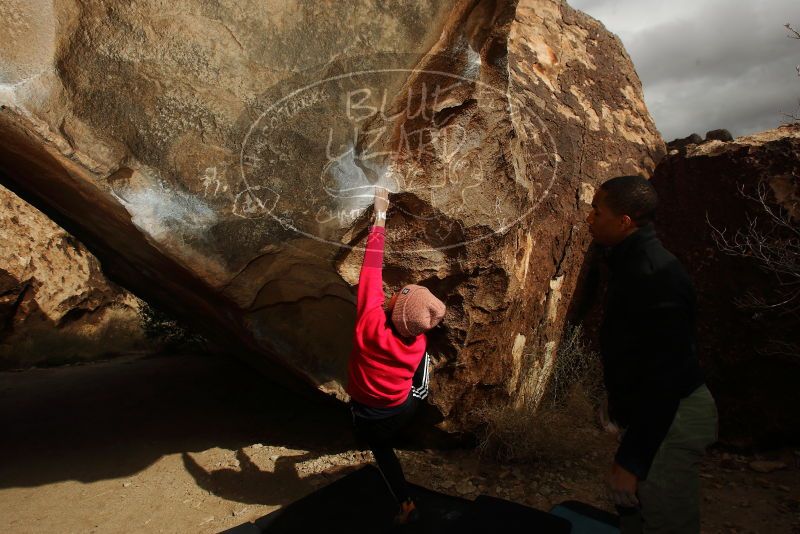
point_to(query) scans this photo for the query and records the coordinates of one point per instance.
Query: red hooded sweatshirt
(381, 366)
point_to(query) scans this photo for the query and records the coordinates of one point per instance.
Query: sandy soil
(201, 444)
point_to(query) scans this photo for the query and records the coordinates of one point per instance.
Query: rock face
(220, 158)
(751, 355)
(55, 303)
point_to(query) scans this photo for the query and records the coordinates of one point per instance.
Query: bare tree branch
(793, 34)
(774, 244)
(780, 348)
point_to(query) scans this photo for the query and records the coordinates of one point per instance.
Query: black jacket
(647, 344)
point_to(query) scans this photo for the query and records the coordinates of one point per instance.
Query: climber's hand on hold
(381, 205)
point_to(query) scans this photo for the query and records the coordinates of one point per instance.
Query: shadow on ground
(251, 485)
(114, 419)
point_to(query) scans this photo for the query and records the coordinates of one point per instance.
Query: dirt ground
(200, 444)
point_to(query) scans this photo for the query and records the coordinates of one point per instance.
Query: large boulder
(751, 352)
(56, 305)
(220, 157)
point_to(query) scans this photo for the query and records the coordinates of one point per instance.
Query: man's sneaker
(408, 513)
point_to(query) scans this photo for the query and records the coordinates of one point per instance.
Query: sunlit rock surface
(56, 305)
(220, 157)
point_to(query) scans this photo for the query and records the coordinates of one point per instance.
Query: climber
(388, 367)
(656, 390)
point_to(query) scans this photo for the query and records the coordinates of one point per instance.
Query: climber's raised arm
(370, 281)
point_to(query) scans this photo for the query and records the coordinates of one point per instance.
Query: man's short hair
(633, 196)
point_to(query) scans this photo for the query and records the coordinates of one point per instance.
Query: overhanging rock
(219, 158)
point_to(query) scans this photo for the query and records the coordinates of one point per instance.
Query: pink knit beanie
(416, 310)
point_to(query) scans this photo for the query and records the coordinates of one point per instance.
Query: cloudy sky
(708, 64)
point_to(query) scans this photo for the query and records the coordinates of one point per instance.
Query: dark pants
(670, 497)
(380, 435)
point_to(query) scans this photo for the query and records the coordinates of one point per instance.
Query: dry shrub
(793, 34)
(577, 365)
(563, 425)
(773, 242)
(168, 333)
(771, 239)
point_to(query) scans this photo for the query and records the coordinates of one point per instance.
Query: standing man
(656, 390)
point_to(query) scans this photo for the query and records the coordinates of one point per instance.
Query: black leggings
(380, 434)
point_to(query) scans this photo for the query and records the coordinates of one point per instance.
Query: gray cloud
(710, 64)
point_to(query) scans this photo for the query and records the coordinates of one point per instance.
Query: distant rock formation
(219, 159)
(719, 135)
(752, 355)
(695, 139)
(683, 142)
(55, 304)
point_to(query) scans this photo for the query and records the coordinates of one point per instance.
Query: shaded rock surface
(55, 303)
(751, 355)
(220, 158)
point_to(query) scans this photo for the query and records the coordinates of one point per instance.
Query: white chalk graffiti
(429, 143)
(214, 181)
(255, 202)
